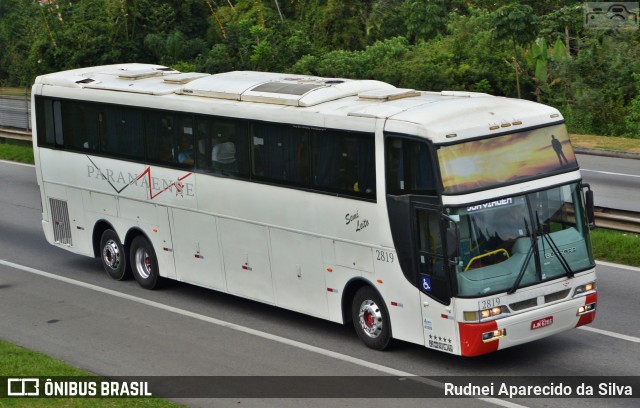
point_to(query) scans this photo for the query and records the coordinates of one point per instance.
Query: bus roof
(443, 117)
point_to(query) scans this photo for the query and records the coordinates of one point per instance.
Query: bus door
(433, 279)
(430, 253)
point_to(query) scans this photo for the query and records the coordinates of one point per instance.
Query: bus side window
(184, 142)
(431, 253)
(80, 126)
(410, 168)
(124, 134)
(344, 162)
(45, 122)
(280, 153)
(222, 146)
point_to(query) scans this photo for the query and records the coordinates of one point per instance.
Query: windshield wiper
(526, 260)
(554, 248)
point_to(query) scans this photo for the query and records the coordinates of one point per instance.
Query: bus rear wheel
(371, 319)
(144, 263)
(113, 256)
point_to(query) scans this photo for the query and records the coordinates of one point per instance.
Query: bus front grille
(60, 221)
(524, 304)
(552, 297)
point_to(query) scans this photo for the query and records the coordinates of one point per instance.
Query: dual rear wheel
(140, 260)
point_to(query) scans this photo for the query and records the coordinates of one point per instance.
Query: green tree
(632, 117)
(426, 19)
(342, 25)
(516, 24)
(599, 84)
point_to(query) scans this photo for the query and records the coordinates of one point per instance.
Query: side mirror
(590, 207)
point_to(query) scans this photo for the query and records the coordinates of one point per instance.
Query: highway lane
(615, 182)
(109, 335)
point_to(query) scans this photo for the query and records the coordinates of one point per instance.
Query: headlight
(494, 335)
(591, 307)
(486, 314)
(585, 289)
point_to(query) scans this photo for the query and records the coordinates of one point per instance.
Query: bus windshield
(521, 240)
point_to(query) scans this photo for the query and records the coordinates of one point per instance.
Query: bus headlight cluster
(486, 314)
(494, 335)
(586, 309)
(584, 290)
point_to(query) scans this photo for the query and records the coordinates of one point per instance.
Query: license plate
(540, 323)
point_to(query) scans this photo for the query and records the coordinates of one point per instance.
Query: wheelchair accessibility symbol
(426, 284)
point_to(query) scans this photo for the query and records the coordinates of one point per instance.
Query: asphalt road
(615, 182)
(65, 306)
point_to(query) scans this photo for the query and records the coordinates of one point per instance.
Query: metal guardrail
(618, 220)
(15, 112)
(21, 136)
(605, 217)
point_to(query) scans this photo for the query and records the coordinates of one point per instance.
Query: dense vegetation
(537, 50)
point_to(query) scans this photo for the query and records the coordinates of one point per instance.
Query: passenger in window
(223, 157)
(356, 188)
(185, 150)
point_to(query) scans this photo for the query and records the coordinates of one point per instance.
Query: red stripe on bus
(471, 338)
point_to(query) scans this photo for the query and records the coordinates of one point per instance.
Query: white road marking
(611, 334)
(17, 163)
(615, 265)
(258, 333)
(611, 173)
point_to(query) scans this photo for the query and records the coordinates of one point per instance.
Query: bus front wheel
(371, 319)
(144, 263)
(113, 256)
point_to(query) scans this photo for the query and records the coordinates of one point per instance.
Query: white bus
(454, 220)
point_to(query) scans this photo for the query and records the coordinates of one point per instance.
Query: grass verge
(15, 152)
(623, 144)
(20, 362)
(8, 91)
(616, 246)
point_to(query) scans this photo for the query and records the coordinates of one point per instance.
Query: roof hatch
(183, 78)
(286, 88)
(135, 74)
(388, 94)
(281, 89)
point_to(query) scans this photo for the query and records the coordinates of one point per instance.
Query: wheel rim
(370, 317)
(111, 254)
(143, 263)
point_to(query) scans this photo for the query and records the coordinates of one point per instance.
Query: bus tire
(144, 263)
(113, 256)
(371, 319)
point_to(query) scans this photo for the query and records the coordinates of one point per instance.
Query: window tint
(331, 161)
(46, 134)
(429, 233)
(49, 122)
(344, 163)
(280, 153)
(81, 125)
(124, 135)
(431, 260)
(57, 122)
(409, 167)
(170, 139)
(222, 146)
